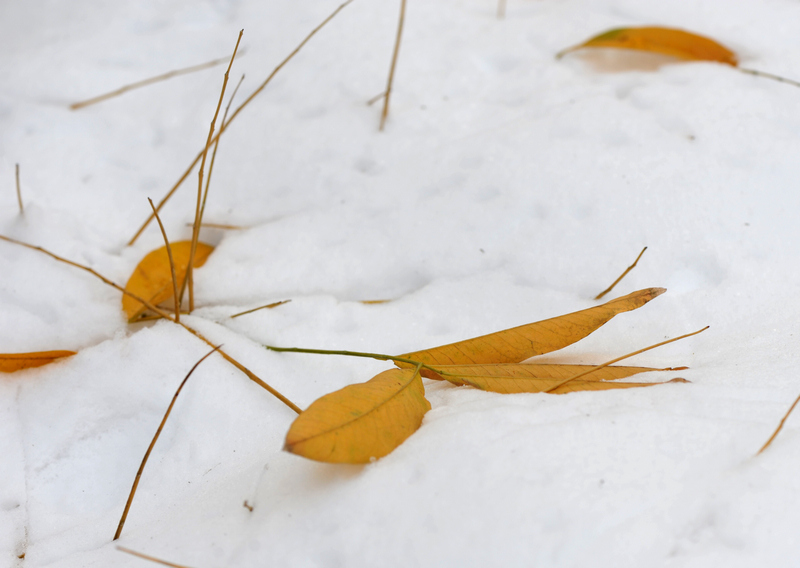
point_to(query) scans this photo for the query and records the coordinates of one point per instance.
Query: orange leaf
(361, 422)
(677, 43)
(10, 362)
(519, 343)
(518, 378)
(580, 385)
(152, 279)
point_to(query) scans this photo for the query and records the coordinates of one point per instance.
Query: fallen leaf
(10, 362)
(519, 343)
(361, 422)
(152, 279)
(580, 385)
(677, 43)
(527, 377)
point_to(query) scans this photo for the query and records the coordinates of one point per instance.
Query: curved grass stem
(166, 315)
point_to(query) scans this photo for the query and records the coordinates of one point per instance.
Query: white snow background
(507, 187)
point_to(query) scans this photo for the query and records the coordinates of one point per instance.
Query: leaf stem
(766, 75)
(378, 356)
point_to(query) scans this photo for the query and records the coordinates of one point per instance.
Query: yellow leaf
(518, 378)
(519, 343)
(361, 422)
(152, 279)
(580, 385)
(10, 362)
(677, 43)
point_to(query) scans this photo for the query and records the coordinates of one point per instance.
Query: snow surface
(507, 187)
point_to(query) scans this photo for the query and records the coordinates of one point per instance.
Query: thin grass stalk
(171, 263)
(236, 112)
(152, 445)
(198, 216)
(395, 54)
(250, 375)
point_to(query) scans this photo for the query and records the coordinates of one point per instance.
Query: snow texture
(507, 187)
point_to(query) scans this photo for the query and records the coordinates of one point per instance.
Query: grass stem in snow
(236, 112)
(388, 93)
(153, 443)
(250, 375)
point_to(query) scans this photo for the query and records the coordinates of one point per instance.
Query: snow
(507, 187)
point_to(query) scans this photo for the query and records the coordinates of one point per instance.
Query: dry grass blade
(519, 343)
(12, 362)
(220, 226)
(19, 191)
(361, 422)
(607, 363)
(171, 262)
(198, 218)
(388, 94)
(236, 112)
(376, 98)
(214, 155)
(780, 426)
(266, 307)
(150, 558)
(250, 375)
(153, 443)
(145, 82)
(621, 276)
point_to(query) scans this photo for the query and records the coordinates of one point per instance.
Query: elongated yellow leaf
(519, 343)
(677, 43)
(361, 422)
(580, 385)
(521, 377)
(10, 362)
(152, 279)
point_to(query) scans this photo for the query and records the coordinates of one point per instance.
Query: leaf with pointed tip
(361, 422)
(579, 385)
(152, 279)
(11, 362)
(677, 43)
(522, 377)
(519, 343)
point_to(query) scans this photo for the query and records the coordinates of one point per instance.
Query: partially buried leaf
(10, 362)
(361, 422)
(677, 43)
(581, 385)
(152, 279)
(519, 378)
(519, 343)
